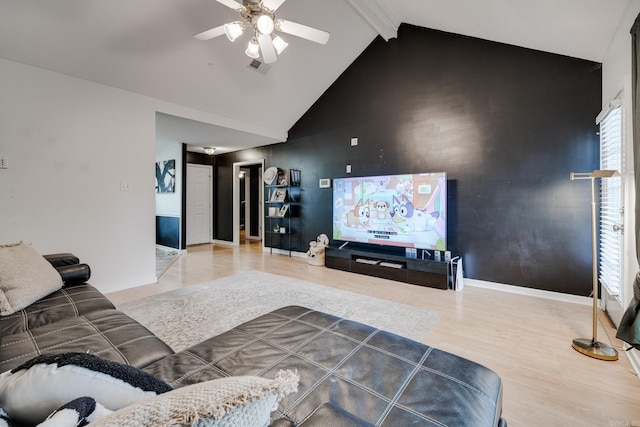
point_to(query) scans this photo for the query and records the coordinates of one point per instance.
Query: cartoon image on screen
(398, 210)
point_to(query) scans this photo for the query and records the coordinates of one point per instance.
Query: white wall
(617, 62)
(616, 76)
(70, 143)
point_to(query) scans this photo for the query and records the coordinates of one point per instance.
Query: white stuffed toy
(315, 254)
(77, 413)
(323, 240)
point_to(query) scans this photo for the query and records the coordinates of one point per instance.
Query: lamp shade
(279, 44)
(253, 49)
(233, 30)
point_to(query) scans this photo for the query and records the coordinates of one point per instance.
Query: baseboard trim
(223, 242)
(166, 248)
(557, 296)
(284, 252)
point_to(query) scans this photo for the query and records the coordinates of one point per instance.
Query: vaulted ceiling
(146, 46)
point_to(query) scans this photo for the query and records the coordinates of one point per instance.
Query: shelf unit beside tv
(424, 272)
(280, 229)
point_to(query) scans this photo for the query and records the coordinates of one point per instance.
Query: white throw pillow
(32, 391)
(230, 402)
(25, 277)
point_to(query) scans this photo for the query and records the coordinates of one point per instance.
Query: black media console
(424, 272)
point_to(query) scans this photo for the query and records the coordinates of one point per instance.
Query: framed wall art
(166, 176)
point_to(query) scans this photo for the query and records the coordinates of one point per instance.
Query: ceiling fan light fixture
(279, 44)
(233, 30)
(253, 49)
(259, 15)
(265, 24)
(209, 150)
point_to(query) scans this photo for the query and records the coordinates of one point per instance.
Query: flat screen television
(396, 210)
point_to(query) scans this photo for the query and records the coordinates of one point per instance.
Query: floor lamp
(592, 347)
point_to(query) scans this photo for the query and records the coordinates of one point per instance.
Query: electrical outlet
(124, 186)
(4, 163)
(348, 168)
(354, 142)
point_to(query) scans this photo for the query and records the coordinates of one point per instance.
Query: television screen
(397, 210)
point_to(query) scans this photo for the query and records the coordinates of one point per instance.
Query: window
(611, 207)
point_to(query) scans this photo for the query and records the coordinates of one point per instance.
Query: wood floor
(526, 340)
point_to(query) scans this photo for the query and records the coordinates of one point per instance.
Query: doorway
(199, 195)
(247, 201)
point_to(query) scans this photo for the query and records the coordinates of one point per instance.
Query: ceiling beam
(378, 16)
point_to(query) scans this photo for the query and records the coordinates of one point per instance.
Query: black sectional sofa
(350, 374)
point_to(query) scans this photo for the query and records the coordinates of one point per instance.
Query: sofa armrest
(69, 267)
(58, 260)
(74, 274)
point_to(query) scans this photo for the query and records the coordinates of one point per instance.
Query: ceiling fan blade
(304, 31)
(232, 4)
(266, 48)
(209, 34)
(273, 4)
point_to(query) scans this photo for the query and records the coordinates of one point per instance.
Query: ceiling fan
(259, 15)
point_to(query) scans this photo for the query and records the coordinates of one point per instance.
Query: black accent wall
(168, 231)
(507, 124)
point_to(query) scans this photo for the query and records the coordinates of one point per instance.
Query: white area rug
(187, 316)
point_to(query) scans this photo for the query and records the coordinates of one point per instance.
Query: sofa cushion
(34, 390)
(66, 303)
(109, 333)
(329, 414)
(25, 277)
(235, 401)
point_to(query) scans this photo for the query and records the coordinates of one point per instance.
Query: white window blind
(611, 213)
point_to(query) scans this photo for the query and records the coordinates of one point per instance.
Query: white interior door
(199, 184)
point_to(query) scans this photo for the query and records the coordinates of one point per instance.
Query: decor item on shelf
(294, 177)
(592, 347)
(283, 178)
(209, 150)
(260, 16)
(283, 210)
(279, 195)
(269, 176)
(315, 254)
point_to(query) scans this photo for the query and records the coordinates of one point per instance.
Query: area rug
(189, 315)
